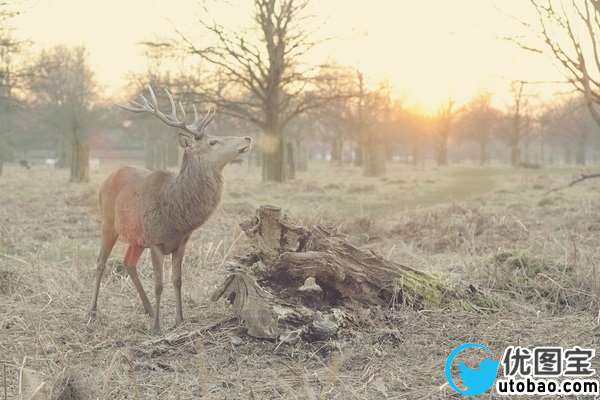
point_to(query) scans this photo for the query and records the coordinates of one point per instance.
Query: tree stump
(296, 280)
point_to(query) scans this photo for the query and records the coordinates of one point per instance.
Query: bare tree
(516, 122)
(338, 117)
(263, 79)
(570, 126)
(10, 74)
(579, 125)
(545, 122)
(374, 121)
(571, 31)
(478, 121)
(444, 121)
(62, 82)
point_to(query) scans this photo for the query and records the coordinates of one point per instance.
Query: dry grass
(491, 226)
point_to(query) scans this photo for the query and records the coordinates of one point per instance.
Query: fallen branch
(581, 178)
(161, 344)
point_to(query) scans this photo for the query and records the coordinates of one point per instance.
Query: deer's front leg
(177, 260)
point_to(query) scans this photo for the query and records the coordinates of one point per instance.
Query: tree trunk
(483, 154)
(273, 165)
(515, 153)
(568, 151)
(416, 153)
(580, 152)
(358, 155)
(290, 160)
(515, 142)
(542, 150)
(301, 156)
(442, 149)
(156, 153)
(80, 162)
(337, 145)
(149, 156)
(374, 162)
(63, 152)
(390, 152)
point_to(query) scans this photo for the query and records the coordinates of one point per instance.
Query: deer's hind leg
(109, 237)
(132, 256)
(157, 264)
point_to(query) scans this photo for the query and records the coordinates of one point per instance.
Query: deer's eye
(213, 142)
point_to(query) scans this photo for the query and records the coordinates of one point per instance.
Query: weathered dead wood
(259, 309)
(291, 283)
(341, 269)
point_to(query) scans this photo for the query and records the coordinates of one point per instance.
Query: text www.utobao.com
(512, 386)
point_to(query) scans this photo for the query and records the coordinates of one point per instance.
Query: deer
(159, 210)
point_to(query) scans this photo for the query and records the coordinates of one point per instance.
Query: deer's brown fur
(158, 208)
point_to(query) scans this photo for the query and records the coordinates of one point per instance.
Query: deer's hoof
(92, 315)
(149, 313)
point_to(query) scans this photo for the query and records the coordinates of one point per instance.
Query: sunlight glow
(429, 50)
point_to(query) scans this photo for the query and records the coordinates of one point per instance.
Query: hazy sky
(428, 49)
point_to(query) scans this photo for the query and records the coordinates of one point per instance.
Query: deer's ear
(185, 139)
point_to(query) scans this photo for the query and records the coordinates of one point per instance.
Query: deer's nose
(248, 139)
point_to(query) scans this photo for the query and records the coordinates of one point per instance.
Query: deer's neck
(194, 194)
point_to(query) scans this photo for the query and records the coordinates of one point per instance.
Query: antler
(196, 128)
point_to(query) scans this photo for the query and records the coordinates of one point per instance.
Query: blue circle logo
(476, 380)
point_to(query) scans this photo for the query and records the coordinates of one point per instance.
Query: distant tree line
(262, 85)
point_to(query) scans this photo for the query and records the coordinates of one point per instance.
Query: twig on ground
(15, 259)
(178, 339)
(582, 178)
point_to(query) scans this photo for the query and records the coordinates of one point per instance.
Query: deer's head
(216, 151)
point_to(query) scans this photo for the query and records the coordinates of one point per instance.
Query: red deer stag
(159, 210)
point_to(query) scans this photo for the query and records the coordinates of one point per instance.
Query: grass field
(493, 227)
